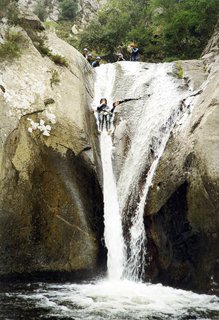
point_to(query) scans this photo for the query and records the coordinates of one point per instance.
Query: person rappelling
(105, 114)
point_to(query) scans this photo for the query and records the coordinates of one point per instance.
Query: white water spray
(112, 219)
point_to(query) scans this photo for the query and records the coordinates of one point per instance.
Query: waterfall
(163, 109)
(113, 233)
(112, 218)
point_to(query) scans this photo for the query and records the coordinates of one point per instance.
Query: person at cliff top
(85, 52)
(96, 63)
(89, 58)
(120, 57)
(135, 52)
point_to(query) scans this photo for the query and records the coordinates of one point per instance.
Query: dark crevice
(196, 93)
(74, 74)
(130, 99)
(175, 249)
(33, 112)
(84, 149)
(196, 124)
(2, 88)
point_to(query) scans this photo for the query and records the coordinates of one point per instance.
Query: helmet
(103, 99)
(98, 58)
(85, 49)
(89, 55)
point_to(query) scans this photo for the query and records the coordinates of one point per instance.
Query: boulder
(51, 203)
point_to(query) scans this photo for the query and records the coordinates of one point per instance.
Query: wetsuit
(103, 116)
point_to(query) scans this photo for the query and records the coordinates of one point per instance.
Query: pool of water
(103, 300)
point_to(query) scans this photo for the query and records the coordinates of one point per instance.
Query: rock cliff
(87, 9)
(51, 200)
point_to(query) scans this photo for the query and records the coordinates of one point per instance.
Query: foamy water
(119, 300)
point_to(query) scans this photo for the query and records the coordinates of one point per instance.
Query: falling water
(112, 219)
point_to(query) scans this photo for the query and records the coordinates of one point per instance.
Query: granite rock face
(51, 200)
(87, 9)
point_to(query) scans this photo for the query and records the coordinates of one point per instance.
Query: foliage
(63, 30)
(40, 10)
(163, 29)
(39, 41)
(57, 59)
(179, 70)
(54, 80)
(68, 9)
(9, 9)
(12, 46)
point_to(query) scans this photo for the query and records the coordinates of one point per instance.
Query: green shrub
(179, 70)
(12, 46)
(40, 10)
(50, 24)
(68, 9)
(54, 80)
(57, 59)
(9, 9)
(45, 51)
